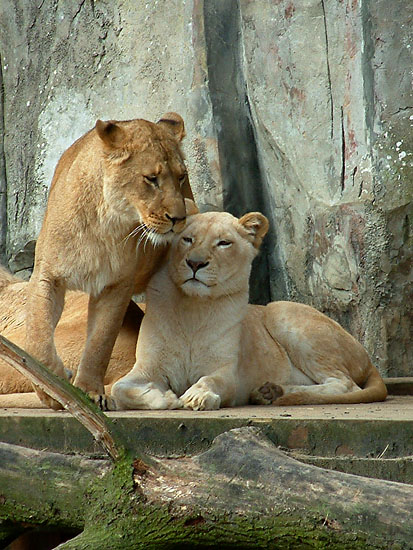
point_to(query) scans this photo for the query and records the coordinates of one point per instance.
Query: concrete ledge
(391, 469)
(400, 386)
(358, 431)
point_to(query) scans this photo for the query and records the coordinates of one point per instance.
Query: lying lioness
(201, 346)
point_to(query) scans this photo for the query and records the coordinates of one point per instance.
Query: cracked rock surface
(300, 109)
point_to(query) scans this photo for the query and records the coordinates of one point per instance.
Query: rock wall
(299, 108)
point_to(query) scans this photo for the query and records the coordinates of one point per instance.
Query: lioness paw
(47, 400)
(172, 401)
(104, 402)
(200, 400)
(266, 394)
(132, 395)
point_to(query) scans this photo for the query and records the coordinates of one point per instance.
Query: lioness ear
(110, 133)
(191, 208)
(174, 123)
(256, 225)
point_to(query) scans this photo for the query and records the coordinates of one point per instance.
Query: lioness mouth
(193, 279)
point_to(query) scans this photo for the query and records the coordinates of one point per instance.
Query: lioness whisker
(148, 238)
(145, 236)
(145, 229)
(134, 232)
(145, 240)
(140, 240)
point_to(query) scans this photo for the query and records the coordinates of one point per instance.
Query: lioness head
(213, 254)
(145, 174)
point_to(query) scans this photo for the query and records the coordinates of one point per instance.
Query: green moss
(140, 529)
(118, 518)
(63, 510)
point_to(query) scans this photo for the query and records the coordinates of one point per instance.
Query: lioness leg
(136, 392)
(44, 308)
(211, 392)
(275, 394)
(319, 348)
(105, 316)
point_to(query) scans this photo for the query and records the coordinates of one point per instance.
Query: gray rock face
(301, 109)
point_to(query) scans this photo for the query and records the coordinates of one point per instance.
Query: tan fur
(189, 330)
(202, 347)
(70, 338)
(116, 199)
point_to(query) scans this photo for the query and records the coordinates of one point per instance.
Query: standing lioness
(201, 346)
(116, 199)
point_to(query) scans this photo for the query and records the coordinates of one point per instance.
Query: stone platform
(374, 439)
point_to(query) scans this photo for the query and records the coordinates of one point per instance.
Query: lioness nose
(196, 264)
(173, 219)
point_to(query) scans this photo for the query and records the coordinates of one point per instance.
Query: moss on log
(41, 487)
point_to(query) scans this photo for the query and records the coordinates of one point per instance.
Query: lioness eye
(224, 244)
(187, 240)
(182, 179)
(152, 179)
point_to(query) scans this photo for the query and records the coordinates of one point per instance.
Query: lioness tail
(374, 389)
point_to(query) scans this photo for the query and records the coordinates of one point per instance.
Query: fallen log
(243, 492)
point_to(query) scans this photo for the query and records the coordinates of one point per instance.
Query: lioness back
(70, 334)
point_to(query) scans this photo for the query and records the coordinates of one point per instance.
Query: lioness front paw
(172, 401)
(104, 402)
(47, 400)
(266, 394)
(129, 395)
(200, 400)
